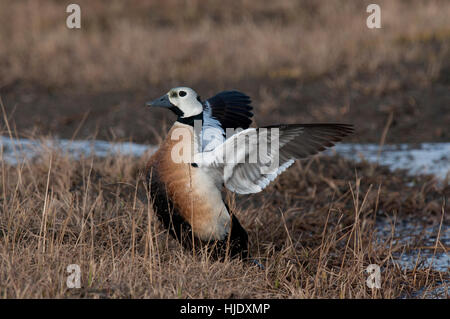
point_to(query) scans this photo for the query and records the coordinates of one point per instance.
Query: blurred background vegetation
(303, 60)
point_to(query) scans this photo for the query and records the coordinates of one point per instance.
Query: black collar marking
(190, 120)
(176, 110)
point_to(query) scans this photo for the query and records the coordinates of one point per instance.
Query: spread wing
(253, 158)
(225, 110)
(231, 108)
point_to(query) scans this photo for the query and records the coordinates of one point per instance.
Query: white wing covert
(253, 158)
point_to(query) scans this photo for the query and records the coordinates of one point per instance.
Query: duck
(212, 147)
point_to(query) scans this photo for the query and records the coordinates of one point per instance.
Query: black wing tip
(335, 132)
(344, 127)
(340, 130)
(340, 127)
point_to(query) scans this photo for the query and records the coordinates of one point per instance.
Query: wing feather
(295, 141)
(231, 108)
(225, 110)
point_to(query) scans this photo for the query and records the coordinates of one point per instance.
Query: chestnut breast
(194, 192)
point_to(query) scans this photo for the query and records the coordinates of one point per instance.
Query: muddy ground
(420, 114)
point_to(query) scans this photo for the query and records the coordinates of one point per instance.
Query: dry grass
(140, 44)
(313, 230)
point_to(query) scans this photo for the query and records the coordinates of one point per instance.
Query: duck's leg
(238, 239)
(238, 243)
(235, 245)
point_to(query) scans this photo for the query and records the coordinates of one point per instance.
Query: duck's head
(183, 101)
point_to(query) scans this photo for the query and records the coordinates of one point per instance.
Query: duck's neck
(186, 134)
(190, 120)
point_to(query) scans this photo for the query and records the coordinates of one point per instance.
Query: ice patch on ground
(425, 158)
(14, 151)
(424, 249)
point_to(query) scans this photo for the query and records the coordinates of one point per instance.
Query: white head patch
(186, 99)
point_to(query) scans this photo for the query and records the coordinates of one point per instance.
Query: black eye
(182, 93)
